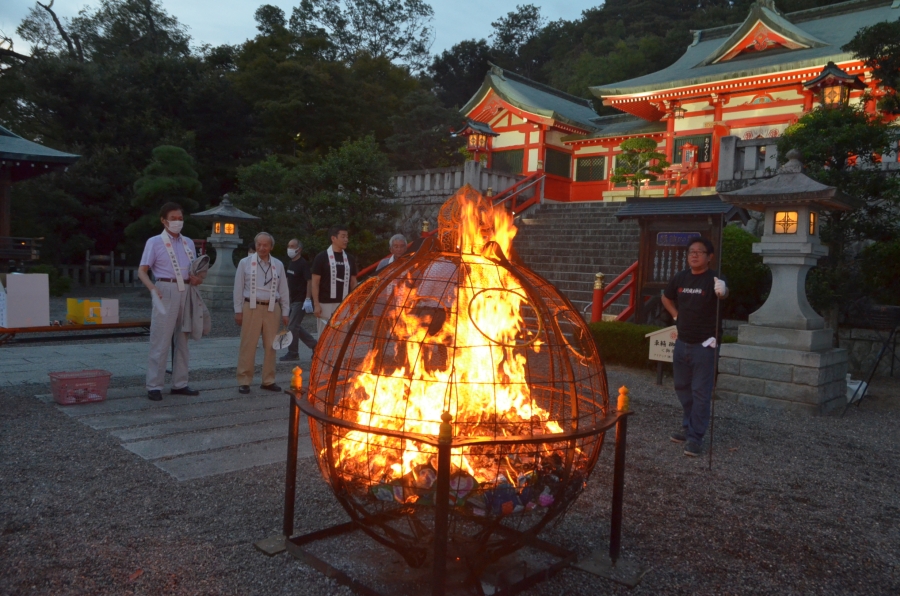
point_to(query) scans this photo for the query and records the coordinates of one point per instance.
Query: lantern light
(477, 134)
(217, 228)
(229, 228)
(678, 112)
(785, 222)
(833, 86)
(812, 223)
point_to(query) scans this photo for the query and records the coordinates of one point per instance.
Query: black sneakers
(154, 395)
(678, 436)
(289, 357)
(272, 387)
(244, 389)
(691, 449)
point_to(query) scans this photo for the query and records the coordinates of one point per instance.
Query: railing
(20, 249)
(510, 197)
(601, 291)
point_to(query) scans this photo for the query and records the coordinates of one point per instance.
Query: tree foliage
(169, 176)
(878, 47)
(397, 30)
(639, 161)
(841, 147)
(351, 185)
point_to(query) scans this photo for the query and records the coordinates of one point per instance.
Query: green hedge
(59, 286)
(623, 343)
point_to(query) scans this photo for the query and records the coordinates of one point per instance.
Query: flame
(470, 364)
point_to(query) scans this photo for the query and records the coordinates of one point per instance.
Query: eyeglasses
(697, 253)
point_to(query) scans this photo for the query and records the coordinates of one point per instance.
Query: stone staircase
(568, 244)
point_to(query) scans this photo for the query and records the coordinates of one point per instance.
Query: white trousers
(328, 309)
(162, 328)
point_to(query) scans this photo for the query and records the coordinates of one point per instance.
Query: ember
(460, 329)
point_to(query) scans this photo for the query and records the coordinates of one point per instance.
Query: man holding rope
(691, 298)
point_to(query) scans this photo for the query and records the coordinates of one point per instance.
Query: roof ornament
(770, 4)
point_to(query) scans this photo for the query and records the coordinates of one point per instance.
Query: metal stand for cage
(626, 574)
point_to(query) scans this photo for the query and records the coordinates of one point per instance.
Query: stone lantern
(226, 218)
(784, 355)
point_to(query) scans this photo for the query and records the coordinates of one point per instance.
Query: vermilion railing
(601, 291)
(510, 197)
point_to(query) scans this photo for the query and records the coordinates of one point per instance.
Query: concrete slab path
(216, 432)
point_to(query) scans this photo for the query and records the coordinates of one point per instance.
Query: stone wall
(862, 347)
(422, 192)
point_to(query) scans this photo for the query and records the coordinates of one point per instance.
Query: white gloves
(719, 287)
(307, 306)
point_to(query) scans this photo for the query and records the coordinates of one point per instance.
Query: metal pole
(442, 508)
(615, 526)
(290, 479)
(712, 396)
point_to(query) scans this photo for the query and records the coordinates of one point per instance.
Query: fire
(462, 351)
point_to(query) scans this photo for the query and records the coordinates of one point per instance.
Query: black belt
(171, 281)
(266, 302)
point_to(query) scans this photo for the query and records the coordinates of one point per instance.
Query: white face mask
(292, 252)
(175, 226)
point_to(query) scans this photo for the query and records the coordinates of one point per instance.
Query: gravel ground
(135, 305)
(792, 505)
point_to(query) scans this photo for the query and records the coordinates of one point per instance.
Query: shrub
(623, 343)
(748, 279)
(59, 286)
(881, 271)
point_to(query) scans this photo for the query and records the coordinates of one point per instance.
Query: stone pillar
(784, 356)
(218, 287)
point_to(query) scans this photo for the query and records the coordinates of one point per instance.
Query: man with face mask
(169, 257)
(299, 280)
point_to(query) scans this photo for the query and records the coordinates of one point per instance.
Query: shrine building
(750, 80)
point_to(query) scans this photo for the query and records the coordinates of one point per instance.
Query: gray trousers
(162, 328)
(298, 333)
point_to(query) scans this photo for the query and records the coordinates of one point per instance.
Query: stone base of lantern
(806, 381)
(217, 296)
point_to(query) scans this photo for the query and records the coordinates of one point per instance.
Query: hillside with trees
(334, 82)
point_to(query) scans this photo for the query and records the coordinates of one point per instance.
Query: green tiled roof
(15, 148)
(619, 125)
(826, 28)
(535, 98)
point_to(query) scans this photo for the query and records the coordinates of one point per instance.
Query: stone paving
(216, 432)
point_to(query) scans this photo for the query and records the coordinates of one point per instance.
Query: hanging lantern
(477, 134)
(833, 86)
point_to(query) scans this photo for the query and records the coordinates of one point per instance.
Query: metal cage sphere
(421, 339)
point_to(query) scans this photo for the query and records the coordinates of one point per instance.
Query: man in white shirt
(169, 257)
(261, 301)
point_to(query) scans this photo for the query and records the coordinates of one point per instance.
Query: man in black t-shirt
(691, 300)
(333, 276)
(299, 280)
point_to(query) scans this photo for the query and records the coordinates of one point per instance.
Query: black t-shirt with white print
(695, 298)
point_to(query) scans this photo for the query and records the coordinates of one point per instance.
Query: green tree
(748, 278)
(421, 136)
(398, 30)
(458, 72)
(169, 176)
(841, 147)
(638, 161)
(351, 185)
(879, 47)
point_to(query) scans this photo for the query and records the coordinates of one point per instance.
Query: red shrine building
(751, 80)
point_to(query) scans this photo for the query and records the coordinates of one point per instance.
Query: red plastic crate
(81, 387)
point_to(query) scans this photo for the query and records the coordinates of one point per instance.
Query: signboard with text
(662, 344)
(675, 238)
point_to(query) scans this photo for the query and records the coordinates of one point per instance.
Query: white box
(27, 300)
(2, 305)
(109, 310)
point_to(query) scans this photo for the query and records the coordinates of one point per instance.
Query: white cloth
(308, 306)
(168, 243)
(264, 293)
(333, 264)
(328, 309)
